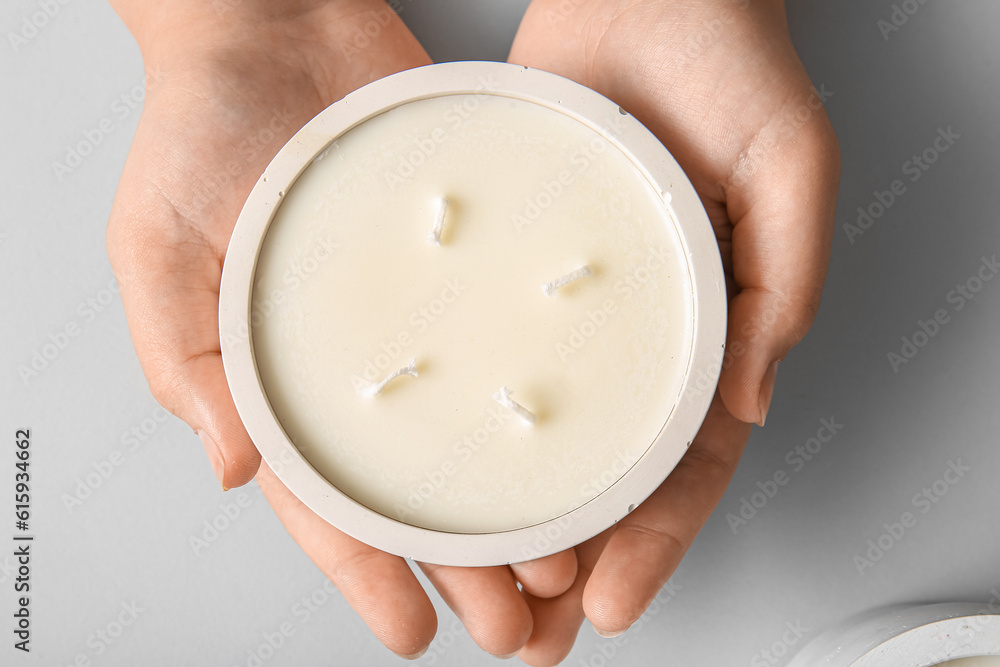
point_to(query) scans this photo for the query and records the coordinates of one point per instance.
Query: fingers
(782, 204)
(167, 237)
(195, 157)
(169, 289)
(230, 450)
(647, 545)
(534, 46)
(547, 577)
(740, 115)
(380, 587)
(488, 603)
(557, 619)
(557, 623)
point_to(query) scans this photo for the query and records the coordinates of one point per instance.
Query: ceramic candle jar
(473, 313)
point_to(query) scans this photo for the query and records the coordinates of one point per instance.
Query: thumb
(782, 206)
(169, 281)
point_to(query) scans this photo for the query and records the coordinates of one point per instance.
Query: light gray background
(791, 564)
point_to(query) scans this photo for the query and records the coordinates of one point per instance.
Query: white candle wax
(348, 289)
(983, 661)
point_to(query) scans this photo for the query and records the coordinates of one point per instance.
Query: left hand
(229, 90)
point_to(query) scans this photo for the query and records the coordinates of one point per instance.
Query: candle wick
(434, 236)
(551, 288)
(503, 398)
(409, 369)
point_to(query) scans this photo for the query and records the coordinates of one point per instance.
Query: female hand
(719, 83)
(230, 82)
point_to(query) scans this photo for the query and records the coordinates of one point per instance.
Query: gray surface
(792, 563)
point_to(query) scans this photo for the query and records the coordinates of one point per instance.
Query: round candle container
(947, 634)
(473, 314)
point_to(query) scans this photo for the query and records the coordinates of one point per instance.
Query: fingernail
(609, 635)
(413, 656)
(508, 656)
(767, 390)
(214, 457)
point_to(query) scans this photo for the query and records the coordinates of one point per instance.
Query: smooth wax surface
(348, 289)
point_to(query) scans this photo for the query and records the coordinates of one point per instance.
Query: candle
(905, 636)
(473, 313)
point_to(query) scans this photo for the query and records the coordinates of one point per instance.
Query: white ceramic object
(921, 636)
(682, 211)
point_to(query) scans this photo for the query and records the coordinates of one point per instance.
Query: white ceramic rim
(920, 636)
(704, 273)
